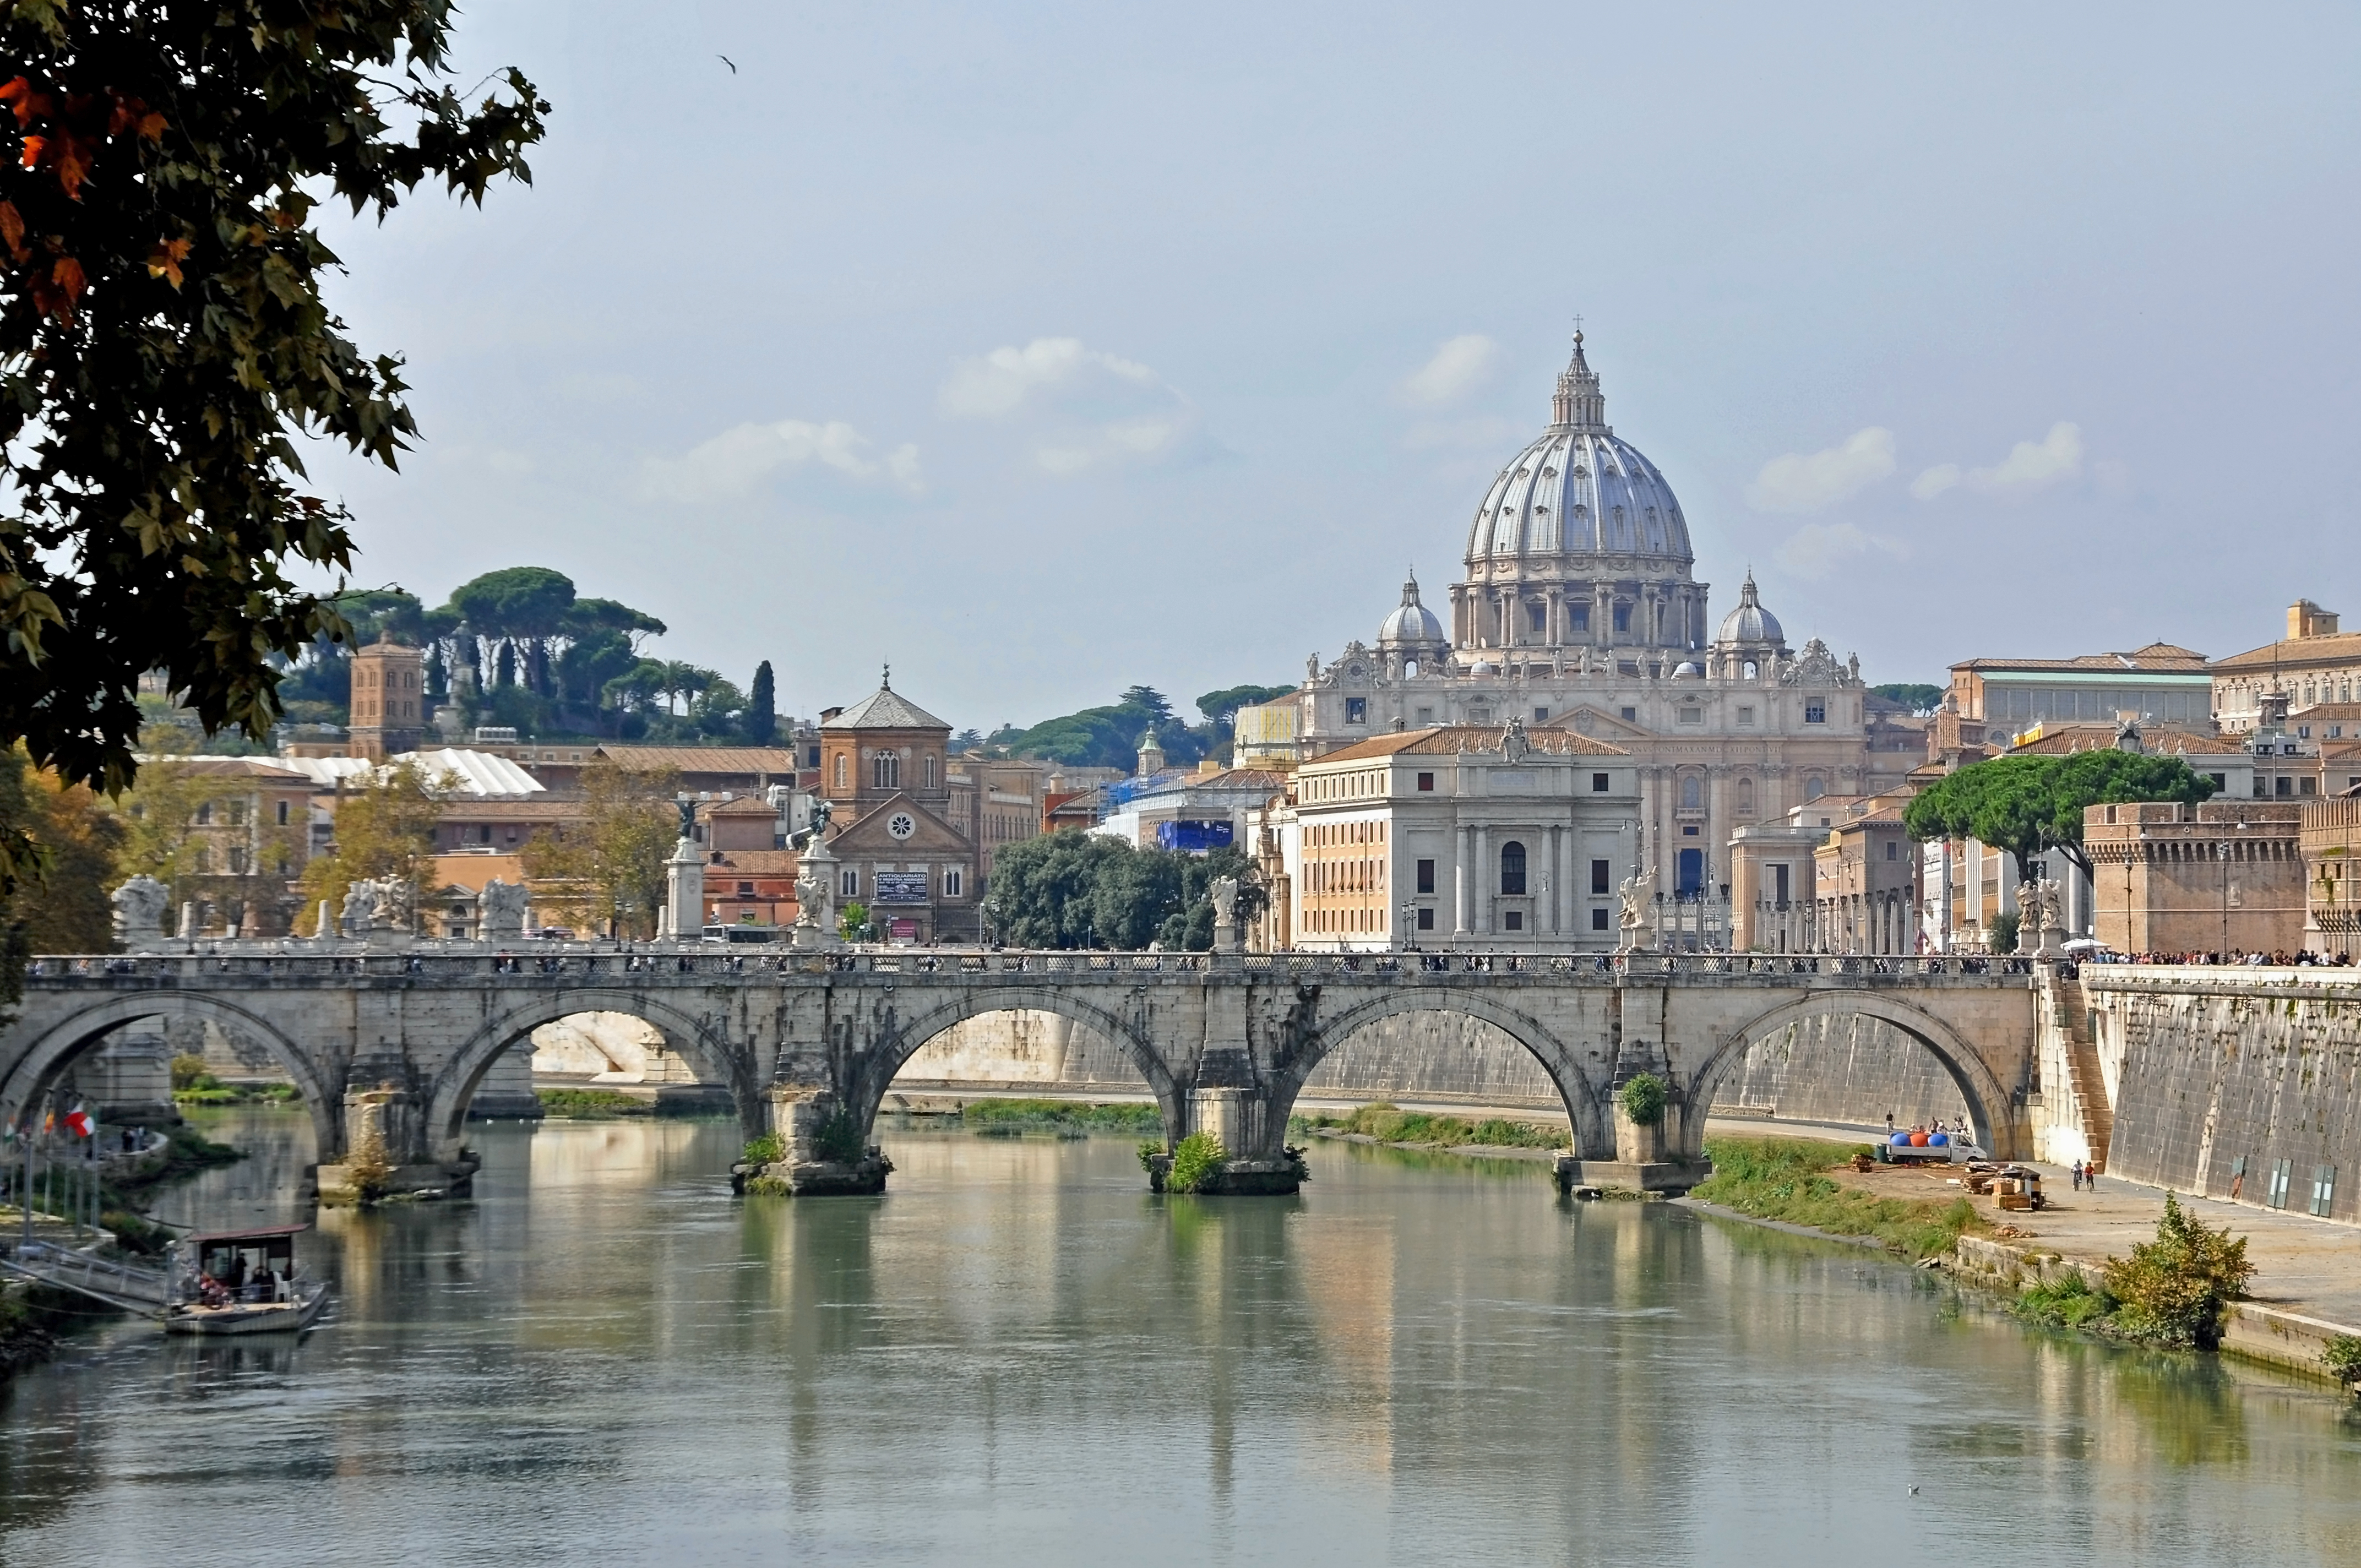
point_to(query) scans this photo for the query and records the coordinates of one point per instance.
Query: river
(1019, 1357)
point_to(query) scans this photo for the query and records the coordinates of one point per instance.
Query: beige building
(996, 802)
(2225, 876)
(1991, 700)
(2330, 840)
(1495, 838)
(1578, 610)
(2315, 665)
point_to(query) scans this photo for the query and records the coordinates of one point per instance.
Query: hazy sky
(1044, 348)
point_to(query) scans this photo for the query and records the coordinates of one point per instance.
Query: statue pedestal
(815, 928)
(684, 916)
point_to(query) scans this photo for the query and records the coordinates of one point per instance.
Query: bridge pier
(824, 1149)
(1252, 1127)
(389, 1153)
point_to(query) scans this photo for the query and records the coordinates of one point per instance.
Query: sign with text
(901, 887)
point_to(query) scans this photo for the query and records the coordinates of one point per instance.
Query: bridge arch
(696, 1036)
(874, 1074)
(1584, 1110)
(1988, 1100)
(41, 1062)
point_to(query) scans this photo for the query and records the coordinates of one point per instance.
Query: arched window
(1692, 792)
(840, 770)
(931, 770)
(1512, 868)
(1746, 798)
(886, 771)
(1815, 787)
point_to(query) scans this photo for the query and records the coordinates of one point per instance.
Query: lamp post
(1408, 930)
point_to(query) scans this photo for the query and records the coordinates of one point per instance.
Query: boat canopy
(226, 1238)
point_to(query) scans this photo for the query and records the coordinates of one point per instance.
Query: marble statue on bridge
(139, 906)
(504, 910)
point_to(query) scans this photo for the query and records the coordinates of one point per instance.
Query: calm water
(1019, 1357)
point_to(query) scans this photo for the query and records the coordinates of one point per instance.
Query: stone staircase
(2071, 1010)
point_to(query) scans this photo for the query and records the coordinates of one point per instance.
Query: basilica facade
(1579, 609)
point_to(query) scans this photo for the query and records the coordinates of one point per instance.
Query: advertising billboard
(900, 887)
(1196, 837)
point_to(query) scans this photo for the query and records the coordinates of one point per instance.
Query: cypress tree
(762, 708)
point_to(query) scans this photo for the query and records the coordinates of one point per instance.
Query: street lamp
(1408, 930)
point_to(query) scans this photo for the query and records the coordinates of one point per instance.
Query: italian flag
(78, 1123)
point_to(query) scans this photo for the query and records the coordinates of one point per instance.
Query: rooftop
(2162, 658)
(2340, 647)
(1455, 740)
(884, 709)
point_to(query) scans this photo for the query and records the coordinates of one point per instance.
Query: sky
(1045, 349)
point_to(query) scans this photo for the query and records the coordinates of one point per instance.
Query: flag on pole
(78, 1123)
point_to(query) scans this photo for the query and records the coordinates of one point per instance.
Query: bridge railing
(623, 967)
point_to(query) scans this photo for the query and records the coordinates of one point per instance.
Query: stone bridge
(807, 1044)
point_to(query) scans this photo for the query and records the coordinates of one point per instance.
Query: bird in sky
(727, 62)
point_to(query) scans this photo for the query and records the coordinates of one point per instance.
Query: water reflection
(1019, 1355)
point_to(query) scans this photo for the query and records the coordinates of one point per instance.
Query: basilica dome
(1580, 491)
(1749, 622)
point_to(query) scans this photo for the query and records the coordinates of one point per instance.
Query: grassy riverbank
(1010, 1117)
(1787, 1179)
(592, 1104)
(1389, 1123)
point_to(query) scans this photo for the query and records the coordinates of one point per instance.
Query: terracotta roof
(884, 709)
(702, 758)
(2159, 740)
(1451, 740)
(744, 806)
(2327, 710)
(2162, 658)
(756, 862)
(2342, 647)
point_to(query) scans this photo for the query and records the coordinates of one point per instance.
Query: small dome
(1485, 667)
(1749, 622)
(1414, 624)
(1688, 670)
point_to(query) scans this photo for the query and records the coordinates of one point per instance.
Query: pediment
(868, 836)
(1598, 724)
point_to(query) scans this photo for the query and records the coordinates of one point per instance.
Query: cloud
(1077, 408)
(1818, 549)
(1461, 366)
(1806, 481)
(734, 463)
(2030, 465)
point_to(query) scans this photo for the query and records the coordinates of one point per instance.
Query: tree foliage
(385, 828)
(1088, 889)
(760, 722)
(2029, 805)
(1915, 695)
(69, 842)
(1221, 707)
(608, 869)
(2176, 1289)
(163, 341)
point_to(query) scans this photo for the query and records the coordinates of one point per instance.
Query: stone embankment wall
(2225, 1080)
(1846, 1069)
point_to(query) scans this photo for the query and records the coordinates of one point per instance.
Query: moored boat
(240, 1282)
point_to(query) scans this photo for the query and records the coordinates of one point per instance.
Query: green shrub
(838, 1139)
(2003, 932)
(1643, 1100)
(1150, 1151)
(768, 1150)
(592, 1104)
(767, 1187)
(2069, 1303)
(1197, 1162)
(1389, 1123)
(189, 1072)
(2343, 1359)
(1019, 1115)
(2176, 1289)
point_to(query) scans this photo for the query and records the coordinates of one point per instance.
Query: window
(1892, 850)
(1816, 712)
(1746, 798)
(1689, 830)
(2304, 786)
(282, 814)
(849, 884)
(1746, 718)
(2220, 781)
(1691, 716)
(1512, 868)
(1692, 792)
(1631, 716)
(1599, 918)
(840, 770)
(886, 771)
(1815, 787)
(931, 770)
(204, 813)
(814, 761)
(1602, 873)
(745, 890)
(1598, 783)
(1426, 876)
(1426, 782)
(238, 860)
(1622, 617)
(1536, 617)
(953, 881)
(2282, 785)
(1426, 919)
(1513, 920)
(1425, 716)
(1356, 710)
(2280, 1172)
(1480, 714)
(1578, 617)
(2323, 1189)
(1541, 716)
